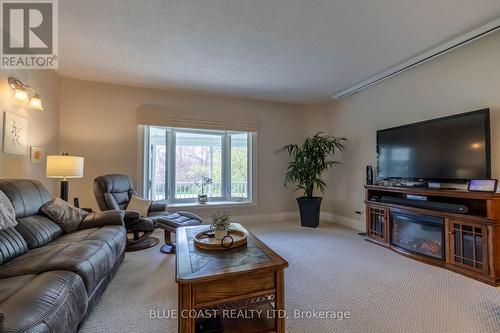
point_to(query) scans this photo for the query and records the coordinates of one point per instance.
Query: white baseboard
(264, 218)
(342, 220)
(294, 216)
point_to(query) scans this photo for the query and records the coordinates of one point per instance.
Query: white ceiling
(297, 51)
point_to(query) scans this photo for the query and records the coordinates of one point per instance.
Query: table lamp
(64, 166)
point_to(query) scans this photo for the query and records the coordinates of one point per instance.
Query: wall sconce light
(22, 94)
(35, 102)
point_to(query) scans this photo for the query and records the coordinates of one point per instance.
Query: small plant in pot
(221, 221)
(309, 161)
(202, 185)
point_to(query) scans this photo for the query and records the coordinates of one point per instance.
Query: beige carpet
(331, 269)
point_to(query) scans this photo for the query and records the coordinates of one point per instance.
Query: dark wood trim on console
(435, 192)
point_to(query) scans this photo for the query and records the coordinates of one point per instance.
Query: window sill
(214, 204)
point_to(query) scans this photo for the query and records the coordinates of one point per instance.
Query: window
(177, 159)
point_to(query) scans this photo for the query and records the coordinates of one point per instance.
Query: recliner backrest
(113, 192)
(27, 196)
(38, 230)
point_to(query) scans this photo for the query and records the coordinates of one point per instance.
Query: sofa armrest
(158, 206)
(96, 220)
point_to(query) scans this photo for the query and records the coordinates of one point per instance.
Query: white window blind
(158, 115)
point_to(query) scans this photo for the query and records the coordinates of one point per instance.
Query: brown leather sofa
(49, 281)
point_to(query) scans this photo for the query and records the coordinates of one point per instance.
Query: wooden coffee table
(243, 287)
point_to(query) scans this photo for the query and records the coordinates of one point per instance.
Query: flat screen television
(450, 149)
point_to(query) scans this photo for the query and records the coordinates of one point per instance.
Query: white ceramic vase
(220, 233)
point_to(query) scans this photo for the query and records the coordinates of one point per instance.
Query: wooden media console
(468, 243)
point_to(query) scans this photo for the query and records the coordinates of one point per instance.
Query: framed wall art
(37, 155)
(15, 134)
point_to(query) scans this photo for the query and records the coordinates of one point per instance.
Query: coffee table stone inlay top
(214, 260)
(250, 276)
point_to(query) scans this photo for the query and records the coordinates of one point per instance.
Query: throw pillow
(62, 213)
(139, 204)
(7, 213)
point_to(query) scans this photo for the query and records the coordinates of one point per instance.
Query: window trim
(226, 198)
(250, 174)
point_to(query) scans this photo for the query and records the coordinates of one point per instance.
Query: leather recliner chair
(114, 191)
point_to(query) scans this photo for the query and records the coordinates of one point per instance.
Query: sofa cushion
(38, 230)
(27, 196)
(10, 286)
(50, 302)
(114, 236)
(12, 245)
(7, 213)
(92, 260)
(62, 213)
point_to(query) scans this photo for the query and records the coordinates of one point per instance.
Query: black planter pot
(309, 211)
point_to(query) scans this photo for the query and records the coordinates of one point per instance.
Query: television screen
(454, 148)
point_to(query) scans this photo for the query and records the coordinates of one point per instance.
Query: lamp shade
(21, 94)
(63, 166)
(36, 103)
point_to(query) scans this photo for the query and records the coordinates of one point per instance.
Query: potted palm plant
(309, 161)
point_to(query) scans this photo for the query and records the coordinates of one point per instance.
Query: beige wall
(98, 122)
(43, 126)
(465, 80)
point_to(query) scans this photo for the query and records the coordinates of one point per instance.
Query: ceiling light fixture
(22, 94)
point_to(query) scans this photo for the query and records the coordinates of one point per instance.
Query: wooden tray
(203, 241)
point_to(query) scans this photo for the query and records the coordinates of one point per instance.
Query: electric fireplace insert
(417, 233)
